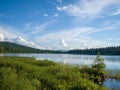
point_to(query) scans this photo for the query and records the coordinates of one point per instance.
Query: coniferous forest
(8, 47)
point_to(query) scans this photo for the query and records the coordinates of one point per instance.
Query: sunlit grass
(19, 73)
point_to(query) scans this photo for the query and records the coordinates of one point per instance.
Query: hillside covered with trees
(8, 47)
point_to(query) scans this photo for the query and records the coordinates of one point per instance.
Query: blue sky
(61, 24)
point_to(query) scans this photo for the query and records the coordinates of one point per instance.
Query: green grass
(19, 73)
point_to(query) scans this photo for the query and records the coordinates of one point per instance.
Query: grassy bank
(113, 74)
(18, 73)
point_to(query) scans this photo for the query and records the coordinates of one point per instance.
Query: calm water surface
(112, 84)
(112, 62)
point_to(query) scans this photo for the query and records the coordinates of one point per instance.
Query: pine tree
(98, 69)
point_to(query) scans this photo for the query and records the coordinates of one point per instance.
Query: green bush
(98, 70)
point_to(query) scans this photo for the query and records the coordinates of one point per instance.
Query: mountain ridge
(10, 47)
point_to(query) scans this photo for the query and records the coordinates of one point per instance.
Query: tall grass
(19, 73)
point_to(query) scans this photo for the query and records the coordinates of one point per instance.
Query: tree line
(94, 51)
(8, 47)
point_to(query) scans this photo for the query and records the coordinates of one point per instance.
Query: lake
(112, 62)
(112, 84)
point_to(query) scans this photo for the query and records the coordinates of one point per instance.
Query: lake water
(112, 84)
(112, 62)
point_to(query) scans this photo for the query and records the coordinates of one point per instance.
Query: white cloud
(38, 28)
(67, 33)
(6, 35)
(1, 37)
(63, 8)
(33, 29)
(116, 13)
(51, 2)
(75, 38)
(55, 15)
(87, 8)
(22, 41)
(60, 1)
(6, 32)
(63, 43)
(53, 39)
(46, 15)
(65, 39)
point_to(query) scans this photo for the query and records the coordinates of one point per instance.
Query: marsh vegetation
(19, 73)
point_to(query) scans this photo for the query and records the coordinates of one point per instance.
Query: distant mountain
(9, 47)
(19, 40)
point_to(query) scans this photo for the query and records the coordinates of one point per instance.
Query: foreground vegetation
(18, 73)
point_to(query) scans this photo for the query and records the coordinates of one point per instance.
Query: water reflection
(112, 84)
(112, 62)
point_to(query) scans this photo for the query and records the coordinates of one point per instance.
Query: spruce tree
(98, 69)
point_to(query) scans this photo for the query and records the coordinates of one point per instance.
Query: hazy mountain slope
(9, 47)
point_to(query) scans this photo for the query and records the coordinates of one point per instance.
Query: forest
(19, 73)
(94, 51)
(9, 47)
